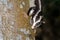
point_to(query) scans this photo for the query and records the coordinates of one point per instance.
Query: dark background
(51, 29)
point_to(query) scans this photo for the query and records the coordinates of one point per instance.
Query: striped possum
(36, 15)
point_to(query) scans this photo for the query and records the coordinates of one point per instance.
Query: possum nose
(32, 27)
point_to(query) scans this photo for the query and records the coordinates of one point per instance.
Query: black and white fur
(36, 17)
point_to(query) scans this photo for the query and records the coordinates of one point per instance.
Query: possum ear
(30, 11)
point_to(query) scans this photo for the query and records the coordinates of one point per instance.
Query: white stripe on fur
(34, 19)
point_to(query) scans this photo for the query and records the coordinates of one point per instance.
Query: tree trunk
(14, 22)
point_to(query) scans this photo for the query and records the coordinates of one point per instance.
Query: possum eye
(38, 24)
